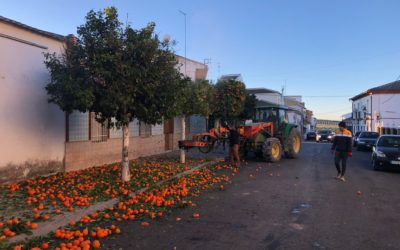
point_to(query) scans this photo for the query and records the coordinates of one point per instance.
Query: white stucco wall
(385, 112)
(275, 98)
(191, 67)
(31, 129)
(360, 121)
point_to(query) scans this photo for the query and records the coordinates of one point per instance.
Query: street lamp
(183, 122)
(184, 14)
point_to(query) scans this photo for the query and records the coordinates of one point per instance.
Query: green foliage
(117, 72)
(249, 107)
(68, 87)
(197, 98)
(229, 99)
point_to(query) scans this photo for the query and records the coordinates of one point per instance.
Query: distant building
(309, 121)
(327, 124)
(348, 119)
(295, 102)
(267, 95)
(377, 109)
(235, 77)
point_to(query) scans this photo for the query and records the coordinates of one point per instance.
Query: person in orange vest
(341, 147)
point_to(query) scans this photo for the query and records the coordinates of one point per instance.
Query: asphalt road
(301, 206)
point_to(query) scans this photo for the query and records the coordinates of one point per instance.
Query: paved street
(301, 206)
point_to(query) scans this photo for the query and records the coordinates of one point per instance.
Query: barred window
(77, 126)
(157, 129)
(144, 129)
(134, 128)
(98, 132)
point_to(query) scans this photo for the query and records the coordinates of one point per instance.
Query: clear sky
(324, 50)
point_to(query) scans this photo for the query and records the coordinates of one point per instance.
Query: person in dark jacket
(341, 147)
(234, 137)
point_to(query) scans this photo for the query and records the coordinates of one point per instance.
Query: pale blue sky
(317, 48)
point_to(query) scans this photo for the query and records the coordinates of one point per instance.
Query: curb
(63, 219)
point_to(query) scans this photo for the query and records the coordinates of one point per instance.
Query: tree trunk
(182, 153)
(126, 175)
(217, 123)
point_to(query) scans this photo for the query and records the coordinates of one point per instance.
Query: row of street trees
(121, 73)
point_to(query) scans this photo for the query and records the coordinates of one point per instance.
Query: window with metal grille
(77, 126)
(98, 132)
(144, 129)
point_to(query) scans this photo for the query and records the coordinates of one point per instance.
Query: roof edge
(32, 29)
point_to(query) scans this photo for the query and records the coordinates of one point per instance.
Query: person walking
(341, 147)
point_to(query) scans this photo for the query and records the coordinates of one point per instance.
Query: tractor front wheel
(210, 145)
(294, 144)
(272, 150)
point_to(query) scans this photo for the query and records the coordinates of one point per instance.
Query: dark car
(311, 136)
(386, 152)
(324, 135)
(355, 138)
(366, 140)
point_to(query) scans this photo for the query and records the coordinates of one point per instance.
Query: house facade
(267, 95)
(295, 102)
(33, 131)
(40, 139)
(377, 109)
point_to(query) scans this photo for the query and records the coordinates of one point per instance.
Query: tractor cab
(281, 117)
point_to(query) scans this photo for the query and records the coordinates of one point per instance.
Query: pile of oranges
(55, 194)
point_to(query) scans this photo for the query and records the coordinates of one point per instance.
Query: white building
(295, 102)
(33, 131)
(377, 109)
(267, 95)
(235, 77)
(38, 138)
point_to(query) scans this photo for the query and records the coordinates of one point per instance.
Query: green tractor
(270, 135)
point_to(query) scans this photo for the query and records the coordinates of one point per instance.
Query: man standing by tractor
(234, 138)
(341, 147)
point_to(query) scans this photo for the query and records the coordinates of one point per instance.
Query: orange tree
(117, 72)
(249, 107)
(196, 100)
(229, 101)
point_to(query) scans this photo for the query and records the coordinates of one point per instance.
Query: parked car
(311, 136)
(355, 136)
(386, 152)
(366, 140)
(324, 135)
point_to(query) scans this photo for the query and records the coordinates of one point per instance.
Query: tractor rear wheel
(272, 150)
(294, 144)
